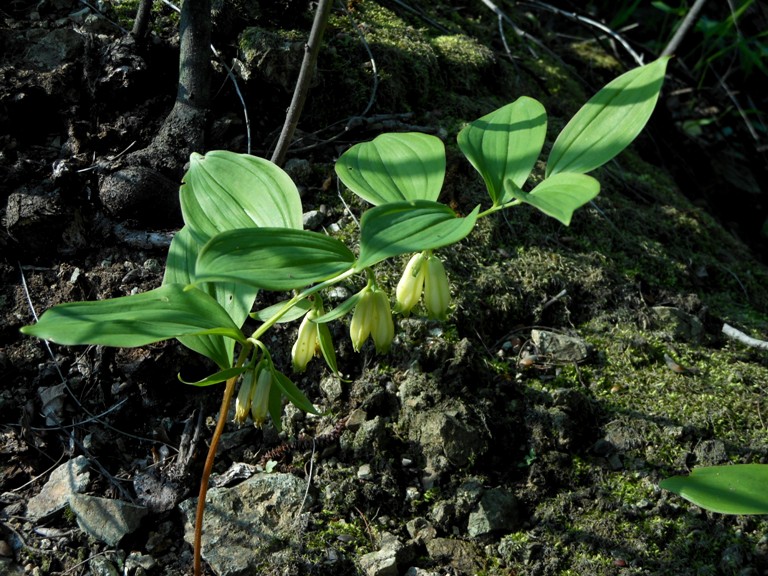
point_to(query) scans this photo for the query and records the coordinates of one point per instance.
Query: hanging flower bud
(243, 401)
(372, 316)
(411, 284)
(260, 396)
(307, 343)
(362, 319)
(383, 328)
(437, 291)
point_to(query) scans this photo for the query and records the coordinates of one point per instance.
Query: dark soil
(459, 418)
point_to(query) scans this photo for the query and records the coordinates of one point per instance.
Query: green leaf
(272, 258)
(326, 347)
(558, 196)
(236, 299)
(225, 191)
(340, 310)
(735, 489)
(609, 121)
(394, 167)
(297, 311)
(220, 376)
(166, 312)
(291, 391)
(505, 144)
(275, 406)
(403, 227)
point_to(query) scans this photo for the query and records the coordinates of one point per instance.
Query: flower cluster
(372, 317)
(424, 273)
(254, 394)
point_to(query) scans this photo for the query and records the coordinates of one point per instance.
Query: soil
(423, 446)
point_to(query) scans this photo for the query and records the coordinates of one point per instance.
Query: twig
(685, 27)
(231, 76)
(311, 49)
(739, 336)
(589, 22)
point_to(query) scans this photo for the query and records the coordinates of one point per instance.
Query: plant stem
(226, 401)
(209, 460)
(311, 50)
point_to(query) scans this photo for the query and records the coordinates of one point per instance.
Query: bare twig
(589, 22)
(311, 49)
(684, 28)
(739, 336)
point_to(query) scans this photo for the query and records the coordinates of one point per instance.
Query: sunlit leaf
(734, 489)
(394, 167)
(294, 395)
(402, 227)
(558, 196)
(609, 121)
(296, 311)
(236, 299)
(272, 258)
(166, 312)
(225, 191)
(340, 310)
(218, 377)
(505, 144)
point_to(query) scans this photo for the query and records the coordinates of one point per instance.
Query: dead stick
(302, 84)
(732, 332)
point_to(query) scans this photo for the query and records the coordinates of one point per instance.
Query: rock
(244, 520)
(559, 347)
(379, 563)
(100, 566)
(384, 561)
(104, 519)
(9, 568)
(447, 436)
(72, 477)
(312, 219)
(420, 530)
(496, 512)
(461, 555)
(678, 323)
(711, 453)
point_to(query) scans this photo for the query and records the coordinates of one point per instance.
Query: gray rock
(9, 568)
(100, 566)
(379, 563)
(312, 219)
(447, 435)
(384, 561)
(421, 530)
(461, 555)
(104, 519)
(559, 347)
(678, 323)
(72, 477)
(242, 522)
(496, 512)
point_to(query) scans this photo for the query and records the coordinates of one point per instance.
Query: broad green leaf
(220, 376)
(166, 312)
(272, 258)
(297, 311)
(558, 196)
(236, 299)
(505, 144)
(609, 122)
(402, 227)
(735, 489)
(394, 167)
(291, 391)
(225, 191)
